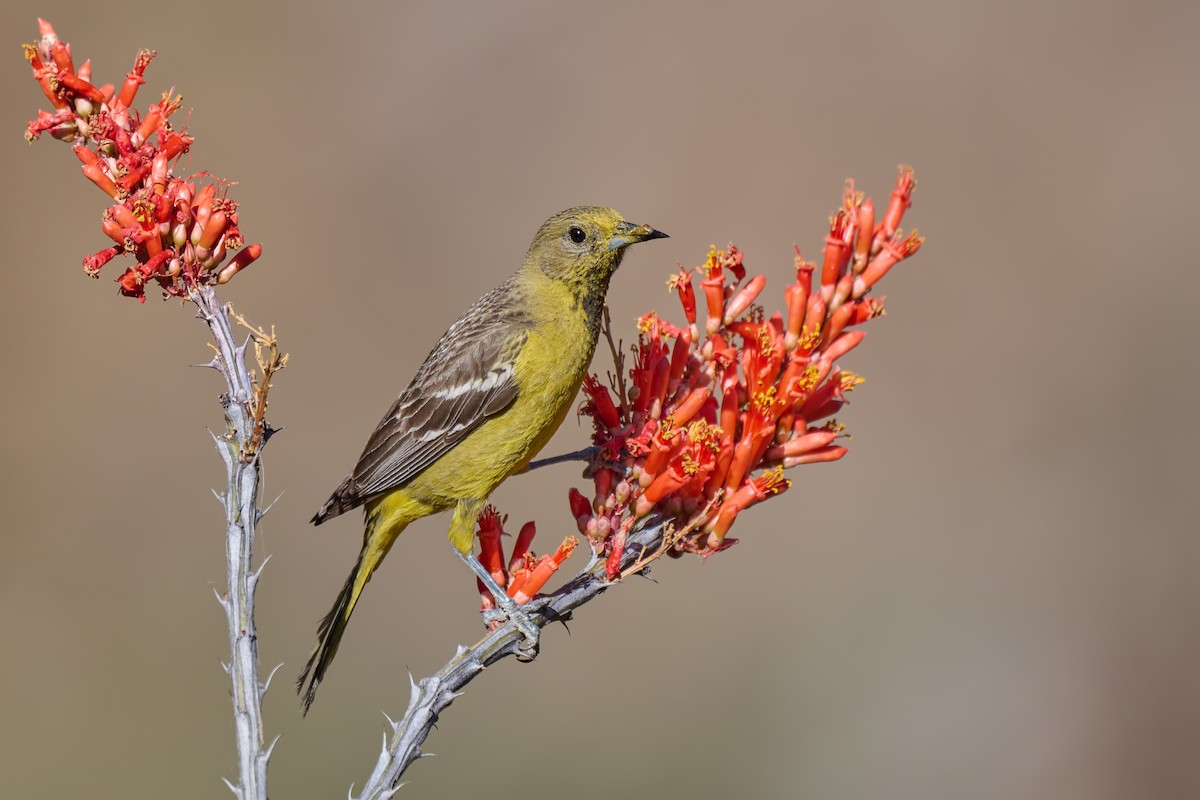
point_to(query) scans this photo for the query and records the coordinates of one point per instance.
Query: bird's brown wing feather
(466, 379)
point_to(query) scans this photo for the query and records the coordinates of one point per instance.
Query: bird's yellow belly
(550, 369)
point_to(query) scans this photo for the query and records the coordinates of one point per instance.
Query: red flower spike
(543, 569)
(900, 202)
(521, 548)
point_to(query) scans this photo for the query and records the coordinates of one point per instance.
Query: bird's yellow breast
(548, 370)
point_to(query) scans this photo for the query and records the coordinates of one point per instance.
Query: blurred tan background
(994, 596)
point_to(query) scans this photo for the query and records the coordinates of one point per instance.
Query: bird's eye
(576, 233)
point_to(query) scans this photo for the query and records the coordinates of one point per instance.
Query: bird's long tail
(377, 540)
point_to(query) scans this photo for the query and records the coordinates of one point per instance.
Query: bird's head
(585, 244)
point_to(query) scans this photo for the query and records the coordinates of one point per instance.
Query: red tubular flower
(581, 509)
(891, 254)
(762, 487)
(742, 300)
(838, 321)
(842, 345)
(731, 260)
(822, 456)
(96, 174)
(600, 404)
(814, 319)
(79, 86)
(521, 548)
(805, 443)
(867, 308)
(900, 202)
(134, 79)
(245, 257)
(661, 448)
(837, 251)
(93, 263)
(714, 298)
(213, 229)
(690, 406)
(658, 386)
(681, 282)
(670, 480)
(679, 358)
(797, 302)
(491, 555)
(542, 570)
(864, 234)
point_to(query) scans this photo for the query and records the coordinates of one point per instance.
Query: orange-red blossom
(523, 575)
(178, 230)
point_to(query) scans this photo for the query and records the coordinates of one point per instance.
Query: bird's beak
(627, 233)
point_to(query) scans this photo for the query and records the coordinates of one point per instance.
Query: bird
(486, 399)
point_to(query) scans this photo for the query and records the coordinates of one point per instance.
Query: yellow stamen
(808, 379)
(849, 380)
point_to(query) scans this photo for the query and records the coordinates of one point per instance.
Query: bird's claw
(523, 623)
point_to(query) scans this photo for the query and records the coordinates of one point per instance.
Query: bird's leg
(525, 625)
(462, 540)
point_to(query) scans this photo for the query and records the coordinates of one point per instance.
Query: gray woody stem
(242, 513)
(430, 696)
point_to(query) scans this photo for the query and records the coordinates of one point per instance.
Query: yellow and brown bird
(487, 398)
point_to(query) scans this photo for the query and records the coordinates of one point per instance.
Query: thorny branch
(431, 696)
(240, 447)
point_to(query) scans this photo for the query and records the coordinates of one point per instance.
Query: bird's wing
(467, 378)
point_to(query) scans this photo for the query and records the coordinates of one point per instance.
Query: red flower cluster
(715, 410)
(524, 574)
(179, 234)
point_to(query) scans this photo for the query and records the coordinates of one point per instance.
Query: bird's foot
(523, 623)
(506, 605)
